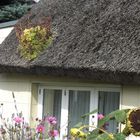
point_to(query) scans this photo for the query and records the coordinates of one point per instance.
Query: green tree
(14, 10)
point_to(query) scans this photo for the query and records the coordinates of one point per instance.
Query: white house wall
(4, 33)
(131, 97)
(22, 92)
(26, 89)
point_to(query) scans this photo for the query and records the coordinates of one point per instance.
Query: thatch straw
(96, 39)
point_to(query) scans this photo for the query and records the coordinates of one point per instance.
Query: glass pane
(108, 102)
(79, 102)
(52, 103)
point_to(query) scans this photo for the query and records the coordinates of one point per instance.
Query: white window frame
(40, 103)
(65, 100)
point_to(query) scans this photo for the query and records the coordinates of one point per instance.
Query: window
(107, 102)
(78, 105)
(52, 103)
(69, 104)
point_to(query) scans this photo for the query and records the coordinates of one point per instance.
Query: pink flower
(52, 120)
(53, 133)
(40, 129)
(18, 119)
(100, 116)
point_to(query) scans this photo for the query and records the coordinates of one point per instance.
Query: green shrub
(33, 41)
(13, 11)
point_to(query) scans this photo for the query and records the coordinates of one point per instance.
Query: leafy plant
(16, 128)
(129, 117)
(33, 41)
(34, 38)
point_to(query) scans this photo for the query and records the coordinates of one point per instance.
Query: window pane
(79, 102)
(52, 103)
(108, 102)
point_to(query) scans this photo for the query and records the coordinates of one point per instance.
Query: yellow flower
(26, 31)
(133, 121)
(111, 136)
(77, 133)
(33, 41)
(38, 28)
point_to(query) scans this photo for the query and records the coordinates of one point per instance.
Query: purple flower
(53, 133)
(100, 116)
(18, 119)
(40, 128)
(51, 120)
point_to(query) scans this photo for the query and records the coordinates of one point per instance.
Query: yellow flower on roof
(33, 41)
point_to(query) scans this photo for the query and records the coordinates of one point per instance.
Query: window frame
(65, 102)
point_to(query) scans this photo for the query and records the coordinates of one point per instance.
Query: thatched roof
(96, 39)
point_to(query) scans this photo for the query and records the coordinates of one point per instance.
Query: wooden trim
(64, 114)
(40, 103)
(93, 106)
(8, 24)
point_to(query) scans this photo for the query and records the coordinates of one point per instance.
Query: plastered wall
(22, 92)
(4, 33)
(130, 97)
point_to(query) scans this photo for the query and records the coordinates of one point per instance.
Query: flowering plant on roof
(33, 39)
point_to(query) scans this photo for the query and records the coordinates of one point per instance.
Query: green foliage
(78, 125)
(119, 136)
(33, 41)
(99, 132)
(13, 11)
(95, 135)
(118, 115)
(102, 136)
(87, 114)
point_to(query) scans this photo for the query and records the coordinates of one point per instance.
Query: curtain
(52, 104)
(57, 106)
(79, 102)
(108, 102)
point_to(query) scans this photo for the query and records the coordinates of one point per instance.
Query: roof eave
(101, 76)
